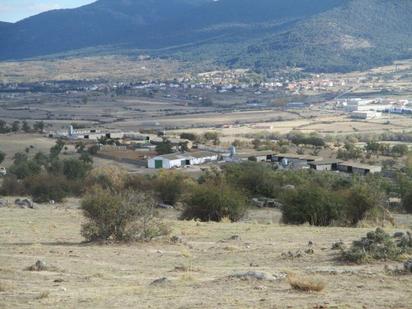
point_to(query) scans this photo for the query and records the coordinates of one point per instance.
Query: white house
(175, 160)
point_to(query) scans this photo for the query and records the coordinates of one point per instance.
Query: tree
(86, 158)
(212, 136)
(80, 146)
(15, 127)
(169, 187)
(407, 200)
(38, 126)
(2, 157)
(26, 127)
(3, 127)
(57, 149)
(400, 150)
(164, 147)
(190, 136)
(75, 169)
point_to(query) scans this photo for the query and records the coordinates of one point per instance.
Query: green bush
(360, 200)
(120, 217)
(44, 188)
(213, 202)
(407, 202)
(2, 157)
(310, 204)
(377, 245)
(169, 187)
(75, 169)
(12, 186)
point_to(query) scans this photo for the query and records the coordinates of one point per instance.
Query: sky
(14, 10)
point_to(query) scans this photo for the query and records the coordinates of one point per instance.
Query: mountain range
(320, 35)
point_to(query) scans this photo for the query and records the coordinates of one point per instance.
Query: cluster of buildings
(374, 108)
(296, 161)
(284, 161)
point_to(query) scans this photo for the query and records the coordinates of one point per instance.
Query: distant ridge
(321, 35)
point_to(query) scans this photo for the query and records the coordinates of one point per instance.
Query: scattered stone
(310, 243)
(309, 251)
(408, 266)
(164, 206)
(398, 234)
(176, 239)
(59, 280)
(253, 265)
(38, 266)
(338, 245)
(3, 203)
(234, 237)
(288, 187)
(160, 281)
(260, 288)
(252, 275)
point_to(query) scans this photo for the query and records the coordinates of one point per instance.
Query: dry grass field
(198, 268)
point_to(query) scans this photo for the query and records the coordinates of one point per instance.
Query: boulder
(160, 281)
(408, 266)
(24, 203)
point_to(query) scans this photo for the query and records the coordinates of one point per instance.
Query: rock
(176, 239)
(160, 281)
(309, 251)
(398, 234)
(164, 206)
(252, 275)
(59, 280)
(338, 245)
(234, 237)
(3, 203)
(38, 266)
(408, 266)
(24, 203)
(288, 187)
(310, 243)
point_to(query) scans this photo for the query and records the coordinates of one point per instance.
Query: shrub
(305, 284)
(360, 201)
(12, 186)
(44, 188)
(407, 202)
(2, 157)
(377, 245)
(165, 147)
(109, 178)
(310, 204)
(23, 168)
(213, 202)
(121, 217)
(75, 169)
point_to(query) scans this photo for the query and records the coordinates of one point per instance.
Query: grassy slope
(119, 276)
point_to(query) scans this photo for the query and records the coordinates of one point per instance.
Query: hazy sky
(14, 10)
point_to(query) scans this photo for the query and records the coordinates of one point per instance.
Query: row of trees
(24, 126)
(46, 176)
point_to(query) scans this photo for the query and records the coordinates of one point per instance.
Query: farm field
(197, 269)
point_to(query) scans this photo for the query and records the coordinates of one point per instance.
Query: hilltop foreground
(197, 265)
